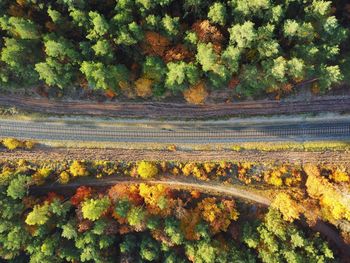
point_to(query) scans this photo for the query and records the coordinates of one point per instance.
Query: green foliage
(18, 187)
(69, 231)
(265, 44)
(172, 229)
(122, 207)
(181, 75)
(154, 68)
(94, 208)
(55, 73)
(136, 216)
(149, 249)
(39, 215)
(102, 76)
(217, 13)
(20, 56)
(242, 35)
(129, 244)
(21, 27)
(277, 240)
(99, 25)
(171, 25)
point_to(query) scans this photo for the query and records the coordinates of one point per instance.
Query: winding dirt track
(178, 110)
(184, 183)
(60, 154)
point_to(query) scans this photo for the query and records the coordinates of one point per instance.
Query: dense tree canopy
(259, 45)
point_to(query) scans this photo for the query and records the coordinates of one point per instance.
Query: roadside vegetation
(307, 193)
(157, 49)
(144, 222)
(13, 144)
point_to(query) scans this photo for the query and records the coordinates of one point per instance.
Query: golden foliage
(64, 177)
(287, 206)
(12, 143)
(147, 170)
(157, 199)
(78, 168)
(340, 175)
(196, 94)
(219, 216)
(334, 204)
(16, 10)
(143, 87)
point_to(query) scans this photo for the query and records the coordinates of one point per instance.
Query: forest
(164, 48)
(153, 222)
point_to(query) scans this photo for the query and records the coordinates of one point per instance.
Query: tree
(287, 206)
(196, 94)
(78, 168)
(243, 35)
(147, 170)
(172, 229)
(136, 216)
(18, 187)
(102, 76)
(20, 57)
(217, 13)
(122, 207)
(61, 65)
(93, 209)
(149, 249)
(19, 26)
(277, 240)
(39, 215)
(181, 75)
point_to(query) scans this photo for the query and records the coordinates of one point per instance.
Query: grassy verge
(293, 146)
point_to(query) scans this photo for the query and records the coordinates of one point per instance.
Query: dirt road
(178, 110)
(60, 154)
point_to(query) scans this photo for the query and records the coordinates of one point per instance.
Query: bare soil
(60, 154)
(178, 110)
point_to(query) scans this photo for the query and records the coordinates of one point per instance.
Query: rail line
(201, 132)
(178, 110)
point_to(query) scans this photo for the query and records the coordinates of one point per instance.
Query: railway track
(177, 132)
(178, 110)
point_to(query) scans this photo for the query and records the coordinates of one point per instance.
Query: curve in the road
(183, 184)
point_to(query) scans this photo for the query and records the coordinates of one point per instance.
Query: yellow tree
(287, 206)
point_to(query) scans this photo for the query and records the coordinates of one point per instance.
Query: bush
(78, 168)
(12, 143)
(147, 170)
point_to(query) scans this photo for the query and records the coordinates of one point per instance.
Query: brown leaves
(143, 87)
(196, 94)
(155, 43)
(81, 194)
(178, 53)
(207, 33)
